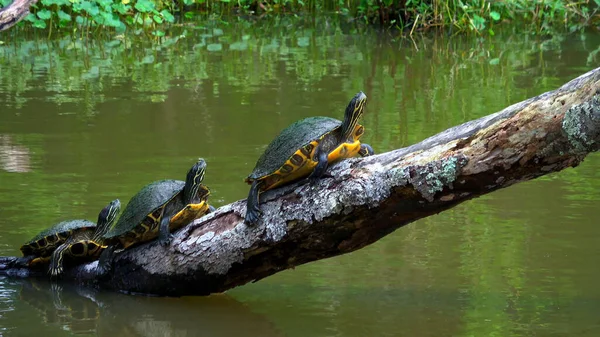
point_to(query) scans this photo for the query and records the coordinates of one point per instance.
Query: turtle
(85, 245)
(156, 210)
(305, 149)
(38, 251)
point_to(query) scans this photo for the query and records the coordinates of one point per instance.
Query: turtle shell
(150, 198)
(290, 140)
(47, 240)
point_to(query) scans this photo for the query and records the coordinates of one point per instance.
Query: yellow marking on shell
(145, 231)
(89, 248)
(284, 175)
(301, 166)
(188, 214)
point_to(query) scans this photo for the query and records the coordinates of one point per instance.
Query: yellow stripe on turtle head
(354, 111)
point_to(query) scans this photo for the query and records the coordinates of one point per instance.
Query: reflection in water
(13, 158)
(62, 307)
(85, 311)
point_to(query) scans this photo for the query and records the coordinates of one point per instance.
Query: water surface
(80, 127)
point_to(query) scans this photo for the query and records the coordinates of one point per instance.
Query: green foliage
(479, 16)
(475, 16)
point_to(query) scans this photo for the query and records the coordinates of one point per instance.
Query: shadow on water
(77, 310)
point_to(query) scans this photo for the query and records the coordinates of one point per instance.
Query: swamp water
(80, 127)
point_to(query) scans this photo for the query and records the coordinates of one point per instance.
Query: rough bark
(364, 199)
(15, 12)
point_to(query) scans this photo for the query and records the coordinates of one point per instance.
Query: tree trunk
(15, 12)
(364, 199)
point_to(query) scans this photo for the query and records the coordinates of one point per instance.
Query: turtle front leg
(321, 167)
(106, 259)
(252, 208)
(56, 262)
(366, 150)
(23, 262)
(164, 237)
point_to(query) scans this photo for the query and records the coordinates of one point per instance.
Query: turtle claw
(252, 216)
(165, 241)
(56, 272)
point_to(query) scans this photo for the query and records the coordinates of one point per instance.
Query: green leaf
(49, 3)
(495, 61)
(121, 8)
(158, 33)
(189, 15)
(105, 4)
(170, 41)
(243, 45)
(214, 47)
(303, 41)
(31, 17)
(148, 59)
(144, 6)
(44, 14)
(39, 24)
(167, 16)
(113, 43)
(157, 18)
(190, 2)
(62, 16)
(90, 7)
(111, 20)
(495, 15)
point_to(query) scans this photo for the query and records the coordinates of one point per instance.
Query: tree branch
(365, 199)
(15, 12)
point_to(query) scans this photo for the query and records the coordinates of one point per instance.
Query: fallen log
(14, 12)
(363, 200)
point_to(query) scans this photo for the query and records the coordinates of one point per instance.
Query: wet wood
(14, 12)
(364, 200)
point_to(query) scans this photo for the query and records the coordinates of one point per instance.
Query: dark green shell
(290, 140)
(146, 201)
(63, 227)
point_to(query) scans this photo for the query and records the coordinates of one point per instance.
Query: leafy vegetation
(151, 17)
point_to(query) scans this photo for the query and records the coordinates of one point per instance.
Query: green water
(80, 127)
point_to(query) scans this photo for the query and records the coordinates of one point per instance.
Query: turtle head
(354, 111)
(193, 180)
(107, 217)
